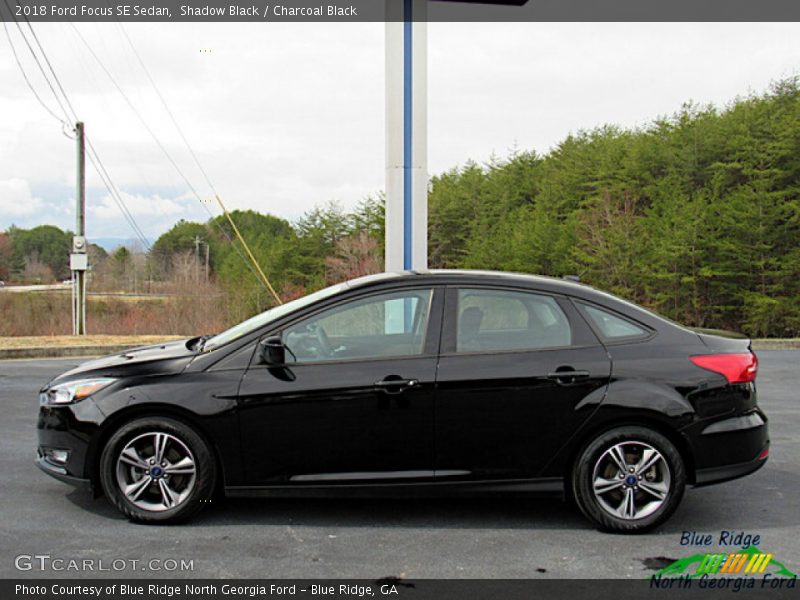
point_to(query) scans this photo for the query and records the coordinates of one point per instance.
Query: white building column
(406, 137)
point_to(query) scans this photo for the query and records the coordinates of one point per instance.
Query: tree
(121, 265)
(180, 238)
(45, 246)
(356, 255)
(696, 215)
(6, 256)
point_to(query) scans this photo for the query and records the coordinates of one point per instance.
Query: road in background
(50, 287)
(453, 538)
(67, 287)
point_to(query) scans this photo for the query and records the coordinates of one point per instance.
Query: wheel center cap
(156, 471)
(630, 480)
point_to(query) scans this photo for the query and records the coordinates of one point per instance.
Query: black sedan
(440, 382)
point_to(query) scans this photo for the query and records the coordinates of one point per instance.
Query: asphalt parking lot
(464, 538)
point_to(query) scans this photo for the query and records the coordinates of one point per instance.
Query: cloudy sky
(286, 116)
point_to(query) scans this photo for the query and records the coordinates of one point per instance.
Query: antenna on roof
(573, 278)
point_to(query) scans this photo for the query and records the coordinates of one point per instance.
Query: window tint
(392, 324)
(498, 320)
(612, 326)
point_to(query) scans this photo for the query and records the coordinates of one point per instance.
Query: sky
(284, 117)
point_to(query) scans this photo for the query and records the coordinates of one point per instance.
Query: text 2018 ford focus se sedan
(440, 382)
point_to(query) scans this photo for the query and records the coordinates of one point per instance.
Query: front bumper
(69, 428)
(61, 474)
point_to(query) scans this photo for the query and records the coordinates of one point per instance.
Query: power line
(93, 155)
(260, 273)
(95, 159)
(178, 128)
(132, 160)
(49, 66)
(135, 111)
(28, 81)
(115, 194)
(167, 109)
(247, 248)
(37, 61)
(172, 161)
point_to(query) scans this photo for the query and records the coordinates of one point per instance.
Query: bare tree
(356, 255)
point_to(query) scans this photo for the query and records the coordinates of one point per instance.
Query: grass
(64, 341)
(44, 314)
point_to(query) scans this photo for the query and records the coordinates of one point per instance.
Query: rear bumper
(728, 448)
(728, 472)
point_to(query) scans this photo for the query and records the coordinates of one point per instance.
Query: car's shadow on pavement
(461, 513)
(758, 501)
(441, 513)
(752, 503)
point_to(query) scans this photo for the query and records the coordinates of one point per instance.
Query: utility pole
(197, 259)
(208, 252)
(78, 260)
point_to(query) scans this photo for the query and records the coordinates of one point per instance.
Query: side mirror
(272, 351)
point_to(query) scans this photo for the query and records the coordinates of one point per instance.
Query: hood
(169, 357)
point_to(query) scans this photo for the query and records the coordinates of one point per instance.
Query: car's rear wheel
(157, 470)
(629, 480)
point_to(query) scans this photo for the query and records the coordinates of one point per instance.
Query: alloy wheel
(156, 471)
(631, 480)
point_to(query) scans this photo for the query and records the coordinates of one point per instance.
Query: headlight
(72, 391)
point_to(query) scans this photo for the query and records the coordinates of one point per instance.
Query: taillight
(737, 368)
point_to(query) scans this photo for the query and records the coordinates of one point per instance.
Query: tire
(640, 500)
(169, 491)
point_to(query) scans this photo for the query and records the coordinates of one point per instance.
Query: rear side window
(611, 326)
(502, 320)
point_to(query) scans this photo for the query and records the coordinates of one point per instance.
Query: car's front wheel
(157, 470)
(629, 479)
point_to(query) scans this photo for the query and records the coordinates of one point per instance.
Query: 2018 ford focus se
(440, 382)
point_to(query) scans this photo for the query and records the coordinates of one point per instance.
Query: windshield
(270, 315)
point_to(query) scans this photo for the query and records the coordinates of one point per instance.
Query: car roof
(473, 276)
(525, 280)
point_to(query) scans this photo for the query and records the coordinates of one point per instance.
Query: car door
(515, 372)
(355, 401)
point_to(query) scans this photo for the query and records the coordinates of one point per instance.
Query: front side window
(384, 325)
(502, 320)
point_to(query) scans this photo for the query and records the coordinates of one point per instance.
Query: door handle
(567, 376)
(395, 386)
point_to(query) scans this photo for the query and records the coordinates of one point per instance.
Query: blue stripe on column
(407, 131)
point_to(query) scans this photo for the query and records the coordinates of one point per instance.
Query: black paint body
(475, 421)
